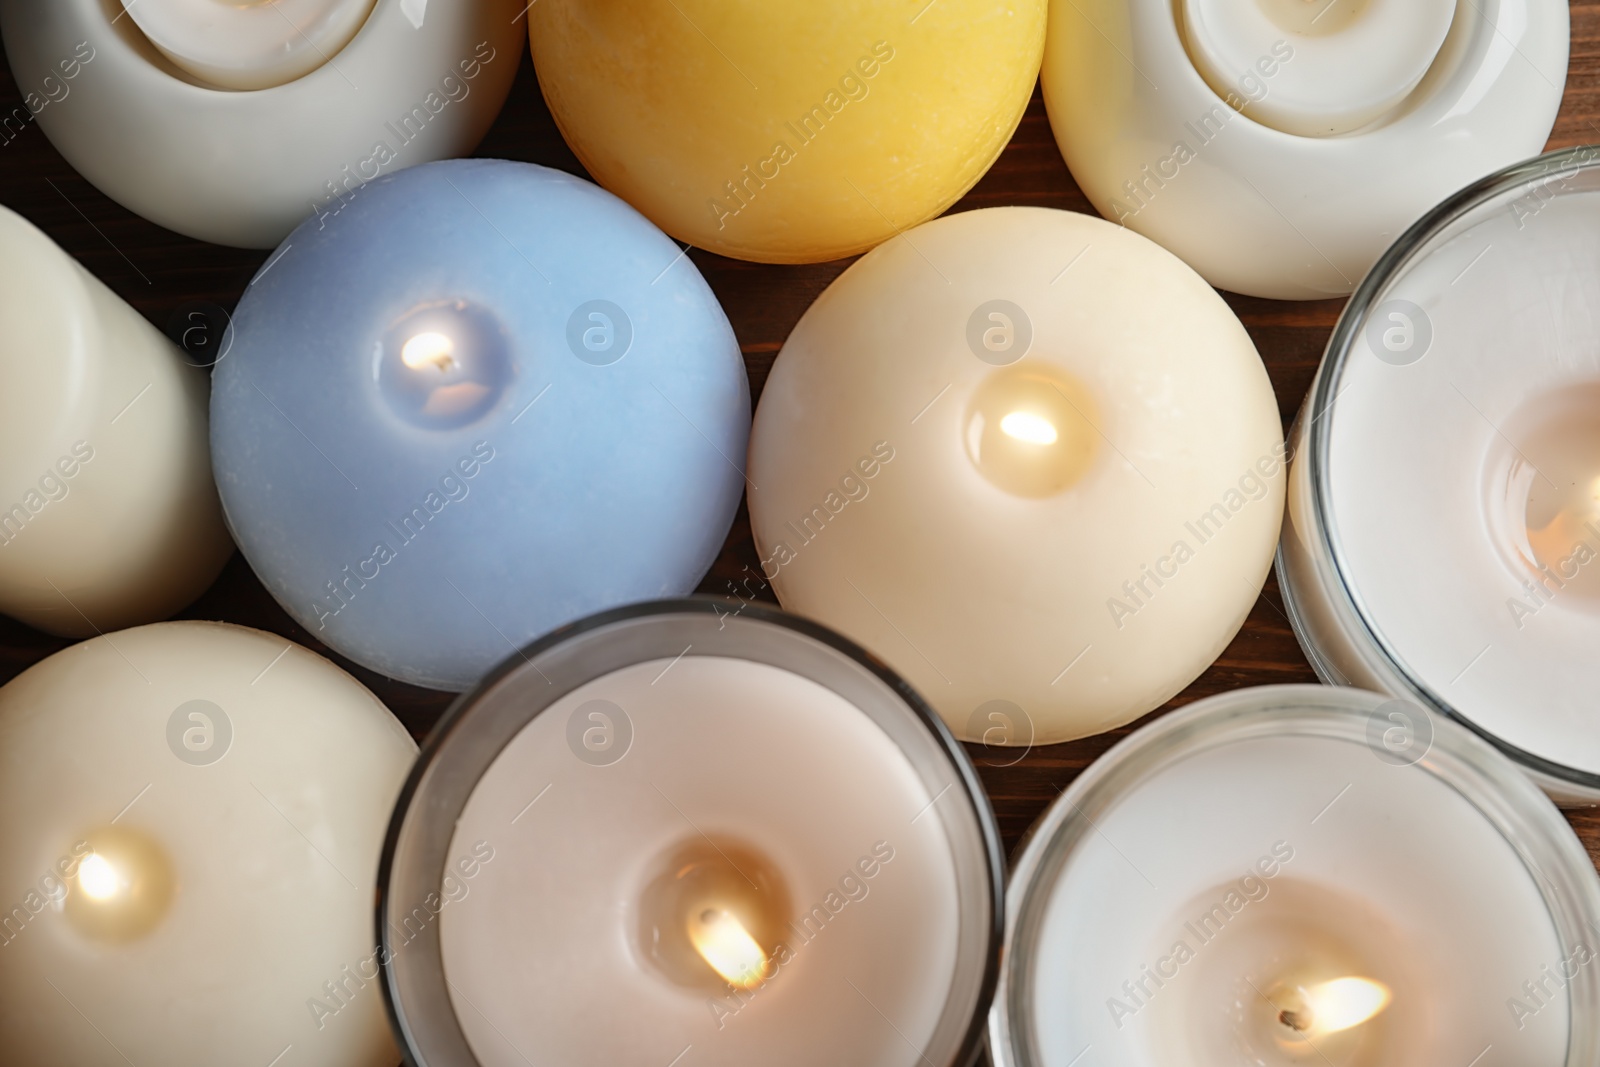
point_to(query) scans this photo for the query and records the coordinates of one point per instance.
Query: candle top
(1333, 65)
(1461, 471)
(248, 44)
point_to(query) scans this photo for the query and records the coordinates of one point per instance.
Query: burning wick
(1333, 1006)
(727, 946)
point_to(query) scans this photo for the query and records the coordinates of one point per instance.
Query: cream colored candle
(253, 44)
(1031, 460)
(190, 821)
(108, 513)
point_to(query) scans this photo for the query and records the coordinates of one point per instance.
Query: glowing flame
(428, 350)
(1338, 1005)
(1026, 426)
(727, 946)
(98, 878)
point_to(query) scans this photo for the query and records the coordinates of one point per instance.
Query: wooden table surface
(159, 272)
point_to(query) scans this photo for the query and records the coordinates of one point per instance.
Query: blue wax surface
(480, 400)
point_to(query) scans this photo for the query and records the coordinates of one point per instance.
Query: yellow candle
(787, 133)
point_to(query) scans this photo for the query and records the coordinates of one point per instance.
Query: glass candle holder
(1278, 146)
(1295, 875)
(230, 123)
(722, 826)
(1444, 503)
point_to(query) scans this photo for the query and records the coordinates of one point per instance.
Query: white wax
(271, 819)
(1427, 877)
(1433, 462)
(1325, 66)
(1083, 583)
(108, 512)
(542, 956)
(249, 44)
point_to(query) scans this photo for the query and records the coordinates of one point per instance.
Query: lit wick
(1333, 1006)
(727, 946)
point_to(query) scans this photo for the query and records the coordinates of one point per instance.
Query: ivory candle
(1294, 875)
(787, 133)
(108, 514)
(1458, 403)
(197, 886)
(510, 400)
(721, 827)
(252, 45)
(981, 455)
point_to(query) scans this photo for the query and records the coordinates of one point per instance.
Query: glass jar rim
(1531, 825)
(1415, 242)
(415, 990)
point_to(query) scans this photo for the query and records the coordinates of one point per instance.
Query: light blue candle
(481, 400)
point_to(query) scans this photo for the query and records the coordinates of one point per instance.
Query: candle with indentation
(486, 399)
(984, 456)
(781, 133)
(108, 514)
(198, 887)
(252, 45)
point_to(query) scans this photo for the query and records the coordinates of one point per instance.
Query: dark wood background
(158, 272)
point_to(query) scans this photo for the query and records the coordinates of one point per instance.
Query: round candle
(198, 887)
(506, 399)
(629, 823)
(1350, 61)
(251, 45)
(783, 133)
(1279, 146)
(1447, 521)
(983, 456)
(108, 514)
(1294, 875)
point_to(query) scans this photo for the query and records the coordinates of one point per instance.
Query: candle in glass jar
(252, 45)
(108, 513)
(663, 846)
(190, 821)
(1295, 875)
(982, 455)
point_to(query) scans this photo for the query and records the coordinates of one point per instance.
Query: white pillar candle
(1301, 875)
(253, 44)
(1031, 460)
(190, 820)
(1445, 534)
(1336, 64)
(720, 850)
(108, 513)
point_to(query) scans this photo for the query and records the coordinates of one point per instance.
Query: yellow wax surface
(1031, 460)
(787, 133)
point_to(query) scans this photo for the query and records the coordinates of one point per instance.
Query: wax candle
(784, 133)
(196, 888)
(1296, 875)
(1457, 403)
(1278, 146)
(108, 514)
(628, 822)
(144, 100)
(484, 400)
(983, 455)
(251, 45)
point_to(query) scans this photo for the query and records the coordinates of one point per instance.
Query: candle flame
(1026, 426)
(727, 946)
(428, 350)
(98, 878)
(1337, 1005)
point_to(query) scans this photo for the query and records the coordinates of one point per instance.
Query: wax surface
(483, 400)
(108, 513)
(1463, 471)
(787, 133)
(540, 948)
(263, 776)
(249, 45)
(884, 505)
(1400, 853)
